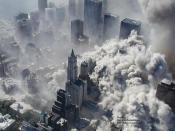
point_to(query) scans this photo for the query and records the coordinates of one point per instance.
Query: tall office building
(77, 33)
(77, 88)
(165, 92)
(80, 9)
(84, 70)
(76, 30)
(127, 25)
(93, 18)
(60, 14)
(72, 69)
(60, 103)
(42, 4)
(72, 8)
(105, 5)
(110, 29)
(50, 14)
(35, 19)
(24, 24)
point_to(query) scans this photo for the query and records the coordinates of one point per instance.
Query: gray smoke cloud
(10, 8)
(43, 58)
(128, 72)
(161, 15)
(125, 8)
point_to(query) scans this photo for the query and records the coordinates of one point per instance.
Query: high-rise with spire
(72, 69)
(75, 87)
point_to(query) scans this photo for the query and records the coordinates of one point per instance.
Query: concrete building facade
(93, 18)
(77, 88)
(42, 4)
(166, 92)
(127, 25)
(72, 69)
(110, 29)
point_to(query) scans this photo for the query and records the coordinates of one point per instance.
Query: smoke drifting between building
(127, 25)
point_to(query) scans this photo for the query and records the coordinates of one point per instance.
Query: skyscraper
(84, 70)
(42, 4)
(72, 8)
(76, 30)
(77, 88)
(165, 92)
(93, 18)
(50, 14)
(24, 24)
(72, 69)
(60, 14)
(110, 29)
(127, 25)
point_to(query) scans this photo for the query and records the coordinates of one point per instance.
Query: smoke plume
(161, 15)
(128, 72)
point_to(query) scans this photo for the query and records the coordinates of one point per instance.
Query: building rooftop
(84, 63)
(72, 53)
(131, 21)
(112, 15)
(26, 126)
(5, 121)
(22, 16)
(20, 107)
(96, 1)
(61, 121)
(79, 82)
(166, 81)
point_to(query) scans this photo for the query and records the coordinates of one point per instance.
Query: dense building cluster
(95, 25)
(89, 25)
(66, 109)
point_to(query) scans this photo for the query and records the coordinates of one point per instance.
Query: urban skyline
(87, 65)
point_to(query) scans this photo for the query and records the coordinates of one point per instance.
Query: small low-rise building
(6, 123)
(19, 108)
(27, 127)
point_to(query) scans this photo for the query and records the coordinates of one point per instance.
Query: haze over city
(87, 65)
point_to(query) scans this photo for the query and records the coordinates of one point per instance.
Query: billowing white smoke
(128, 72)
(15, 87)
(160, 13)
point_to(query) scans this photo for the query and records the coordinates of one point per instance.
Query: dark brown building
(166, 92)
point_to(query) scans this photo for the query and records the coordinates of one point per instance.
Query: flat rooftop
(5, 121)
(96, 1)
(131, 21)
(167, 84)
(20, 107)
(112, 15)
